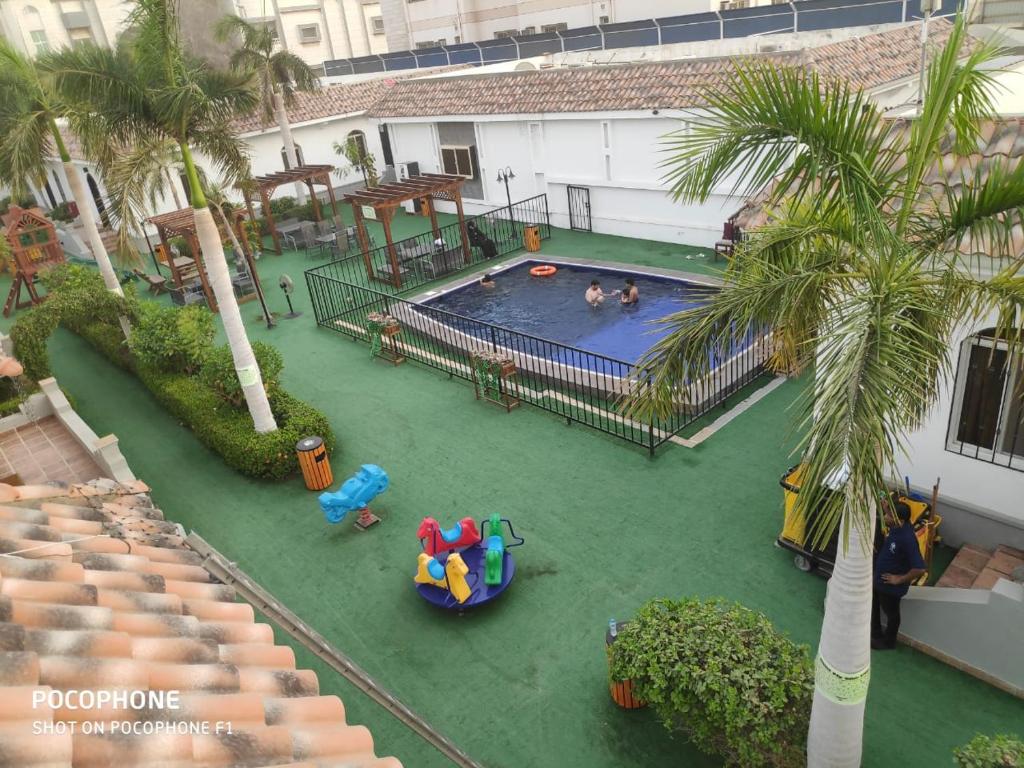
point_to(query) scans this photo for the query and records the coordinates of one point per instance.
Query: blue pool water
(553, 308)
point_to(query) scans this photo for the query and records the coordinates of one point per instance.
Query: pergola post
(312, 197)
(268, 216)
(197, 257)
(429, 202)
(466, 252)
(357, 217)
(385, 220)
(330, 194)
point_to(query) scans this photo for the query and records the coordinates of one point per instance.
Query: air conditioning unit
(309, 33)
(407, 170)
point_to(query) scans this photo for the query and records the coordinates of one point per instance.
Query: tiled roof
(98, 592)
(1001, 140)
(331, 100)
(866, 62)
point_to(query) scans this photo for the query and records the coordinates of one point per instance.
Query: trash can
(315, 465)
(531, 237)
(621, 691)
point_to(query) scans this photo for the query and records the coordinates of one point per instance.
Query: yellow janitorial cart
(807, 557)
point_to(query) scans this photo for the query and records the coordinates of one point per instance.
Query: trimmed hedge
(207, 411)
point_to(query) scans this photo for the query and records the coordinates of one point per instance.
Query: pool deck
(521, 682)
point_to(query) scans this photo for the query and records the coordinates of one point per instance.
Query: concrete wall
(977, 630)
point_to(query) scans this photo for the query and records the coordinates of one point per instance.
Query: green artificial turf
(522, 682)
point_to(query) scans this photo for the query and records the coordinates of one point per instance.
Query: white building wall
(617, 159)
(982, 502)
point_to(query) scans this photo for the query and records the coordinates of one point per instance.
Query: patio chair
(157, 283)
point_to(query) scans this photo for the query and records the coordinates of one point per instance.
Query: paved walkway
(45, 452)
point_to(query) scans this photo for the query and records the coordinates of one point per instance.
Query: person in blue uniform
(897, 565)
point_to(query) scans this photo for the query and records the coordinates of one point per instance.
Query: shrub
(723, 675)
(61, 212)
(990, 752)
(228, 430)
(281, 207)
(168, 347)
(219, 374)
(171, 339)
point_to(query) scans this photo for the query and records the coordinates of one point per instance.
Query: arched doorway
(97, 198)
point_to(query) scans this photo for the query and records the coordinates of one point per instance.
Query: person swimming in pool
(630, 294)
(487, 281)
(595, 296)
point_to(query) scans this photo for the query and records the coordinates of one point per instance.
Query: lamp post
(506, 175)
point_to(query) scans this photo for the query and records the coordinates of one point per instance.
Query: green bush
(219, 374)
(166, 350)
(228, 430)
(990, 752)
(721, 674)
(281, 207)
(172, 339)
(61, 212)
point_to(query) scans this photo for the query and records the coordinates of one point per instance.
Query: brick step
(976, 567)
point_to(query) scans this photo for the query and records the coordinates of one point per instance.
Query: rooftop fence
(799, 16)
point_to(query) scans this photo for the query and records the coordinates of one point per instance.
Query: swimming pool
(553, 308)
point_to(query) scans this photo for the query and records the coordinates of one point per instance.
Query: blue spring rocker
(355, 493)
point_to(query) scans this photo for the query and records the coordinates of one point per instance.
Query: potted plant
(722, 675)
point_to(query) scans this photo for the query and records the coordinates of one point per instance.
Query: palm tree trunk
(289, 144)
(844, 656)
(174, 189)
(220, 280)
(84, 202)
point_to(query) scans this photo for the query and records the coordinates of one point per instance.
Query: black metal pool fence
(580, 386)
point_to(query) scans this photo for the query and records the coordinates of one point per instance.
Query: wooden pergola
(310, 175)
(384, 199)
(184, 269)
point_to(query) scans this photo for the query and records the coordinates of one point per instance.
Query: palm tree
(29, 111)
(858, 274)
(280, 75)
(148, 87)
(137, 179)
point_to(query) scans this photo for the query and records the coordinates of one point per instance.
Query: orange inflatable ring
(544, 270)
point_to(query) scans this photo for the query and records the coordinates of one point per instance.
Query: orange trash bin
(531, 237)
(315, 465)
(621, 690)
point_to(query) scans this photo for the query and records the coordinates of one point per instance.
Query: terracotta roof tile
(340, 99)
(865, 61)
(133, 609)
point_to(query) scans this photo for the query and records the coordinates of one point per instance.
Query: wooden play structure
(310, 175)
(189, 281)
(34, 247)
(380, 203)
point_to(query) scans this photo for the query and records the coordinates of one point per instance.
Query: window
(458, 161)
(529, 31)
(359, 138)
(309, 33)
(431, 44)
(603, 20)
(284, 158)
(987, 418)
(377, 22)
(559, 27)
(39, 41)
(731, 5)
(503, 33)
